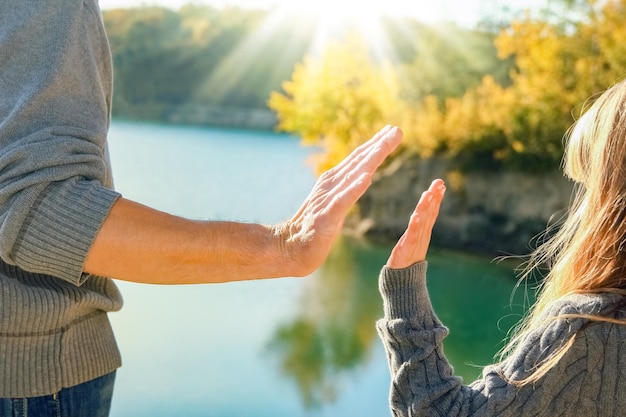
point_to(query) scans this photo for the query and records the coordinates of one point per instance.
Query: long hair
(588, 252)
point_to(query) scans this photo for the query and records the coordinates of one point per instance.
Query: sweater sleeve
(55, 178)
(423, 382)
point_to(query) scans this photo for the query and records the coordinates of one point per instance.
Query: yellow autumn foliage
(337, 100)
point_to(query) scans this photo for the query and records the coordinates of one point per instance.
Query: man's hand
(307, 238)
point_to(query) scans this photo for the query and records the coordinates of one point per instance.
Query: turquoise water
(281, 348)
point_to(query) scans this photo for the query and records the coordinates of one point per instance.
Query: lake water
(281, 348)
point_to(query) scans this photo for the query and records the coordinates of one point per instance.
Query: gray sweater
(590, 380)
(55, 192)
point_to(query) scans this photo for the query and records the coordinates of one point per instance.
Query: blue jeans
(90, 399)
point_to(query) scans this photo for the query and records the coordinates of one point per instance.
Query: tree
(337, 100)
(559, 64)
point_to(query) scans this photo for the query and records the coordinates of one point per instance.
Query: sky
(428, 11)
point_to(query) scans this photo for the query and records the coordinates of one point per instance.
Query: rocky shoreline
(485, 212)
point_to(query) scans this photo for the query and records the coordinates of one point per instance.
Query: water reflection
(333, 332)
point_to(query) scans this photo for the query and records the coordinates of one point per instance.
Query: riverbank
(251, 118)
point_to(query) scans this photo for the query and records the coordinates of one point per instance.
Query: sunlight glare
(335, 18)
(341, 11)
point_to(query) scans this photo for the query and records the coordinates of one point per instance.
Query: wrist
(290, 252)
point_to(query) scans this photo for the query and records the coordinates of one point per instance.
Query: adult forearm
(137, 243)
(140, 244)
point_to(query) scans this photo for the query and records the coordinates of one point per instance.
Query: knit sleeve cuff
(404, 291)
(61, 227)
(405, 295)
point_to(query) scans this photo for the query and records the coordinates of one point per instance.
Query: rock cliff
(488, 212)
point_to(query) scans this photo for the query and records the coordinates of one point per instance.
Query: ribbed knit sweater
(589, 380)
(55, 192)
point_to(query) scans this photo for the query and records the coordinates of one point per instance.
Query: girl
(568, 358)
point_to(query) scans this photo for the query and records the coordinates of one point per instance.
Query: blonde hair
(587, 254)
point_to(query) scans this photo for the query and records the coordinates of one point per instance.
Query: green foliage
(200, 55)
(443, 60)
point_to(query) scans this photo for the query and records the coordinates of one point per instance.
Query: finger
(362, 164)
(427, 209)
(356, 171)
(328, 218)
(343, 199)
(347, 181)
(413, 244)
(363, 148)
(435, 194)
(369, 156)
(374, 151)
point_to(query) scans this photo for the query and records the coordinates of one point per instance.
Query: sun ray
(334, 22)
(254, 50)
(317, 23)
